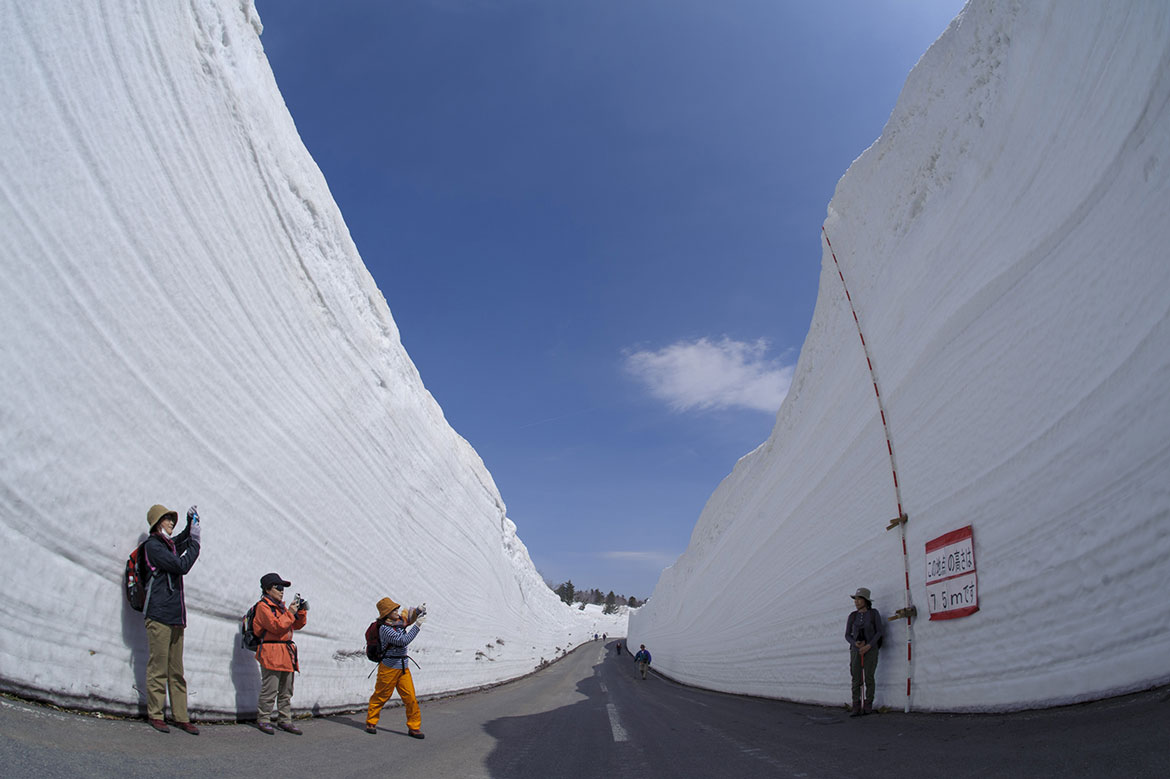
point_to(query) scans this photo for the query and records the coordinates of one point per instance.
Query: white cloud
(707, 375)
(656, 560)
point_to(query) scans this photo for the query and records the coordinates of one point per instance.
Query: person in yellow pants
(393, 672)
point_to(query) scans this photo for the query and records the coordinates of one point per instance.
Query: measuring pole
(900, 520)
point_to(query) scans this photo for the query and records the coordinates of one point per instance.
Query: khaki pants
(164, 670)
(642, 666)
(275, 686)
(389, 680)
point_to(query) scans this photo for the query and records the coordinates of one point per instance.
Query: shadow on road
(568, 741)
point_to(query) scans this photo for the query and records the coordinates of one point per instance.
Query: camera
(300, 602)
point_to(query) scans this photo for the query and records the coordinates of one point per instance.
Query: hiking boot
(288, 727)
(372, 730)
(856, 710)
(159, 725)
(415, 733)
(265, 727)
(868, 708)
(187, 727)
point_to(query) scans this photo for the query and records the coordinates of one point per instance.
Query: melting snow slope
(1005, 244)
(186, 320)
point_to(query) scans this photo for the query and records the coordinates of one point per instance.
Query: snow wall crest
(1004, 245)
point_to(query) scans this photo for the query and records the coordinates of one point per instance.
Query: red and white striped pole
(900, 521)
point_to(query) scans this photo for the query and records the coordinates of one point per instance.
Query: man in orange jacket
(274, 623)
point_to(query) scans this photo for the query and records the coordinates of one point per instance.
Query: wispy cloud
(657, 560)
(706, 374)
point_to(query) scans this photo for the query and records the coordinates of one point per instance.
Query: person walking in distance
(168, 560)
(393, 671)
(864, 630)
(642, 659)
(274, 623)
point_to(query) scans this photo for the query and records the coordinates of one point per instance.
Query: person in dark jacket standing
(643, 660)
(864, 631)
(274, 624)
(168, 559)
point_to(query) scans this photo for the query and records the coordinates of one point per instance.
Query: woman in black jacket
(168, 560)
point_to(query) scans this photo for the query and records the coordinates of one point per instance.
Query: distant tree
(566, 591)
(610, 603)
(632, 602)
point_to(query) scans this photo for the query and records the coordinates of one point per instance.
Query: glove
(192, 516)
(194, 530)
(419, 619)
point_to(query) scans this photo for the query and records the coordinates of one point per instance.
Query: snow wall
(186, 320)
(1005, 246)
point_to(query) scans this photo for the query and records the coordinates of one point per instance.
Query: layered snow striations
(1005, 244)
(186, 321)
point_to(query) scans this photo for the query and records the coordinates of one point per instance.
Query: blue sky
(597, 225)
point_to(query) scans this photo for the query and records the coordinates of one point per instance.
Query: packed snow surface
(186, 321)
(1004, 243)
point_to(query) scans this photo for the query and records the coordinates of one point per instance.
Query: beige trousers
(275, 687)
(164, 670)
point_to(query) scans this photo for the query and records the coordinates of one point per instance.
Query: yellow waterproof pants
(389, 680)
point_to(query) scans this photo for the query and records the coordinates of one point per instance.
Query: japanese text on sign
(952, 588)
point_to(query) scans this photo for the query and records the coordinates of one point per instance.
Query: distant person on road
(619, 648)
(642, 659)
(394, 671)
(274, 623)
(864, 631)
(168, 559)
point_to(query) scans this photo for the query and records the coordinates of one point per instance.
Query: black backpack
(135, 578)
(248, 638)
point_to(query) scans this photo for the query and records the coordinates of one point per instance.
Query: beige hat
(385, 606)
(158, 513)
(862, 592)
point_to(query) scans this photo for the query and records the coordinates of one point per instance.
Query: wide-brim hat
(158, 513)
(271, 580)
(862, 592)
(385, 606)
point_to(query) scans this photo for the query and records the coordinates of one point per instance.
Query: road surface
(590, 716)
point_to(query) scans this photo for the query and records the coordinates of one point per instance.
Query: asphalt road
(590, 716)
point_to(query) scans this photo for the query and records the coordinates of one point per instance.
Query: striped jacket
(395, 638)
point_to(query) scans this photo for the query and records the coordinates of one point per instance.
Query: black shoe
(265, 727)
(288, 727)
(372, 730)
(415, 733)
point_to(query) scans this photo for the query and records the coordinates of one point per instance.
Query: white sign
(952, 589)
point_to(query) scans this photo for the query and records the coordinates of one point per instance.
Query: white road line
(619, 733)
(604, 689)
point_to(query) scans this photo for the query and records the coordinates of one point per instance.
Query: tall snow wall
(1005, 246)
(187, 321)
